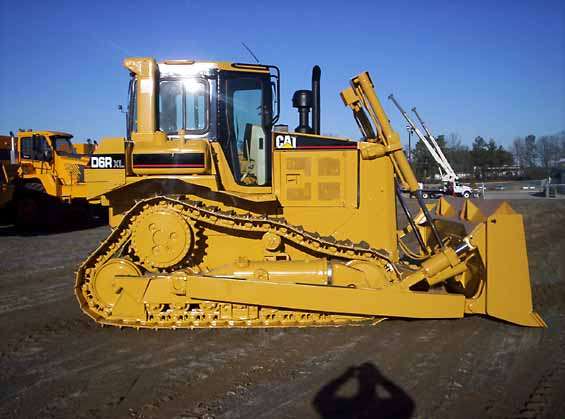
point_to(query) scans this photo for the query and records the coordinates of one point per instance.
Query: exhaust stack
(13, 159)
(302, 100)
(316, 72)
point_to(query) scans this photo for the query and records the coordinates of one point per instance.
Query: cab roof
(145, 66)
(221, 65)
(47, 133)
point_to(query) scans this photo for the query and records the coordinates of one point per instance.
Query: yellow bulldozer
(41, 172)
(222, 218)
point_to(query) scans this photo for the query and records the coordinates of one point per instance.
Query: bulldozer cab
(176, 103)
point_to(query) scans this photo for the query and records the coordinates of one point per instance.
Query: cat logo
(285, 141)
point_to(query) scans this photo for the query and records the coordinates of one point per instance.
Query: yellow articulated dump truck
(7, 172)
(222, 218)
(41, 170)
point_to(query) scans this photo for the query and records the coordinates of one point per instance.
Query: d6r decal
(107, 162)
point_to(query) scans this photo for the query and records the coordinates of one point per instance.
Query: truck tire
(27, 213)
(28, 204)
(466, 194)
(425, 195)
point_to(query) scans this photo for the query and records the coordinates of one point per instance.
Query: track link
(213, 314)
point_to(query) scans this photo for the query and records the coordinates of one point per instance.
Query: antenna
(251, 52)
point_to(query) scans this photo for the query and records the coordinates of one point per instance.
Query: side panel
(156, 155)
(333, 191)
(316, 178)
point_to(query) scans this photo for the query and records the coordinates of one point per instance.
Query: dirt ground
(55, 362)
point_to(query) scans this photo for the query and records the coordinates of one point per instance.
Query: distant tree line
(471, 162)
(537, 156)
(527, 157)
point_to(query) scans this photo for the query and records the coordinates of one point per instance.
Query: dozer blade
(509, 295)
(498, 232)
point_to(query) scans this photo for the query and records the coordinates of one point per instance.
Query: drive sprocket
(161, 237)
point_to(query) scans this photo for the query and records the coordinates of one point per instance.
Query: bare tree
(519, 151)
(458, 154)
(551, 148)
(530, 151)
(454, 140)
(548, 150)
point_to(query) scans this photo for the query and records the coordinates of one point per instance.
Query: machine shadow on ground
(375, 396)
(9, 229)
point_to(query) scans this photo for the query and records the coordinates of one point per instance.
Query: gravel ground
(56, 362)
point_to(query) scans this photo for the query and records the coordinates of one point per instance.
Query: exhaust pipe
(13, 159)
(316, 72)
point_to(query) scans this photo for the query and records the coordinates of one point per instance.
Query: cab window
(42, 151)
(183, 106)
(248, 106)
(35, 148)
(27, 148)
(62, 145)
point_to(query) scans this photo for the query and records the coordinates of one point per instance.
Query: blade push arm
(361, 96)
(363, 100)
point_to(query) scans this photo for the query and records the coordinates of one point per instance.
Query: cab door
(36, 155)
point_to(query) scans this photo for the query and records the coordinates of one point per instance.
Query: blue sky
(490, 68)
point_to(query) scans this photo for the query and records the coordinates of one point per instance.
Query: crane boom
(429, 146)
(451, 175)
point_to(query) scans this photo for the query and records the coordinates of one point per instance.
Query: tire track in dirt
(33, 298)
(413, 355)
(545, 396)
(289, 389)
(189, 372)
